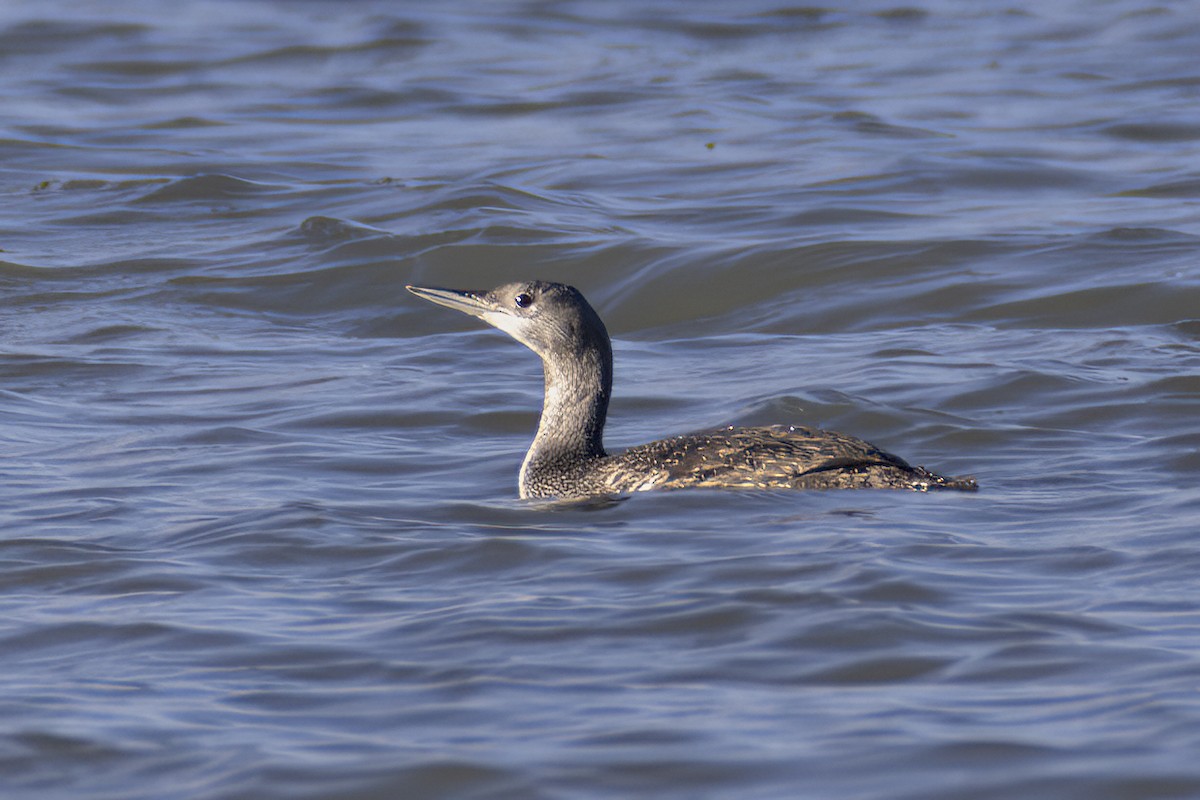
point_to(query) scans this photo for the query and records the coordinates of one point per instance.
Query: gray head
(548, 318)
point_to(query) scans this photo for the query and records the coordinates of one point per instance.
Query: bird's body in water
(567, 458)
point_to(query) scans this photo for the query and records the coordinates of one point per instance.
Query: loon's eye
(523, 300)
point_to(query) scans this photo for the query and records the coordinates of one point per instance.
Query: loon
(567, 459)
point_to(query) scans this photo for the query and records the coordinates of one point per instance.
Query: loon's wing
(775, 457)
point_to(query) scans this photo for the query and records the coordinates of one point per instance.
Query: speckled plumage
(567, 458)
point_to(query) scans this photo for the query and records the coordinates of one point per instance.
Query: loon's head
(548, 318)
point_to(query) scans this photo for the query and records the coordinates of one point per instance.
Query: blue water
(259, 533)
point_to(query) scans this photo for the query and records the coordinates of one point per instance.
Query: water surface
(258, 521)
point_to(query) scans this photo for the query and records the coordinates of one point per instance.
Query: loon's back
(778, 457)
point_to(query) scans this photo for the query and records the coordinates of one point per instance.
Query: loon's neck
(571, 430)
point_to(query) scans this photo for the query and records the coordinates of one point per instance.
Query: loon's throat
(575, 405)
